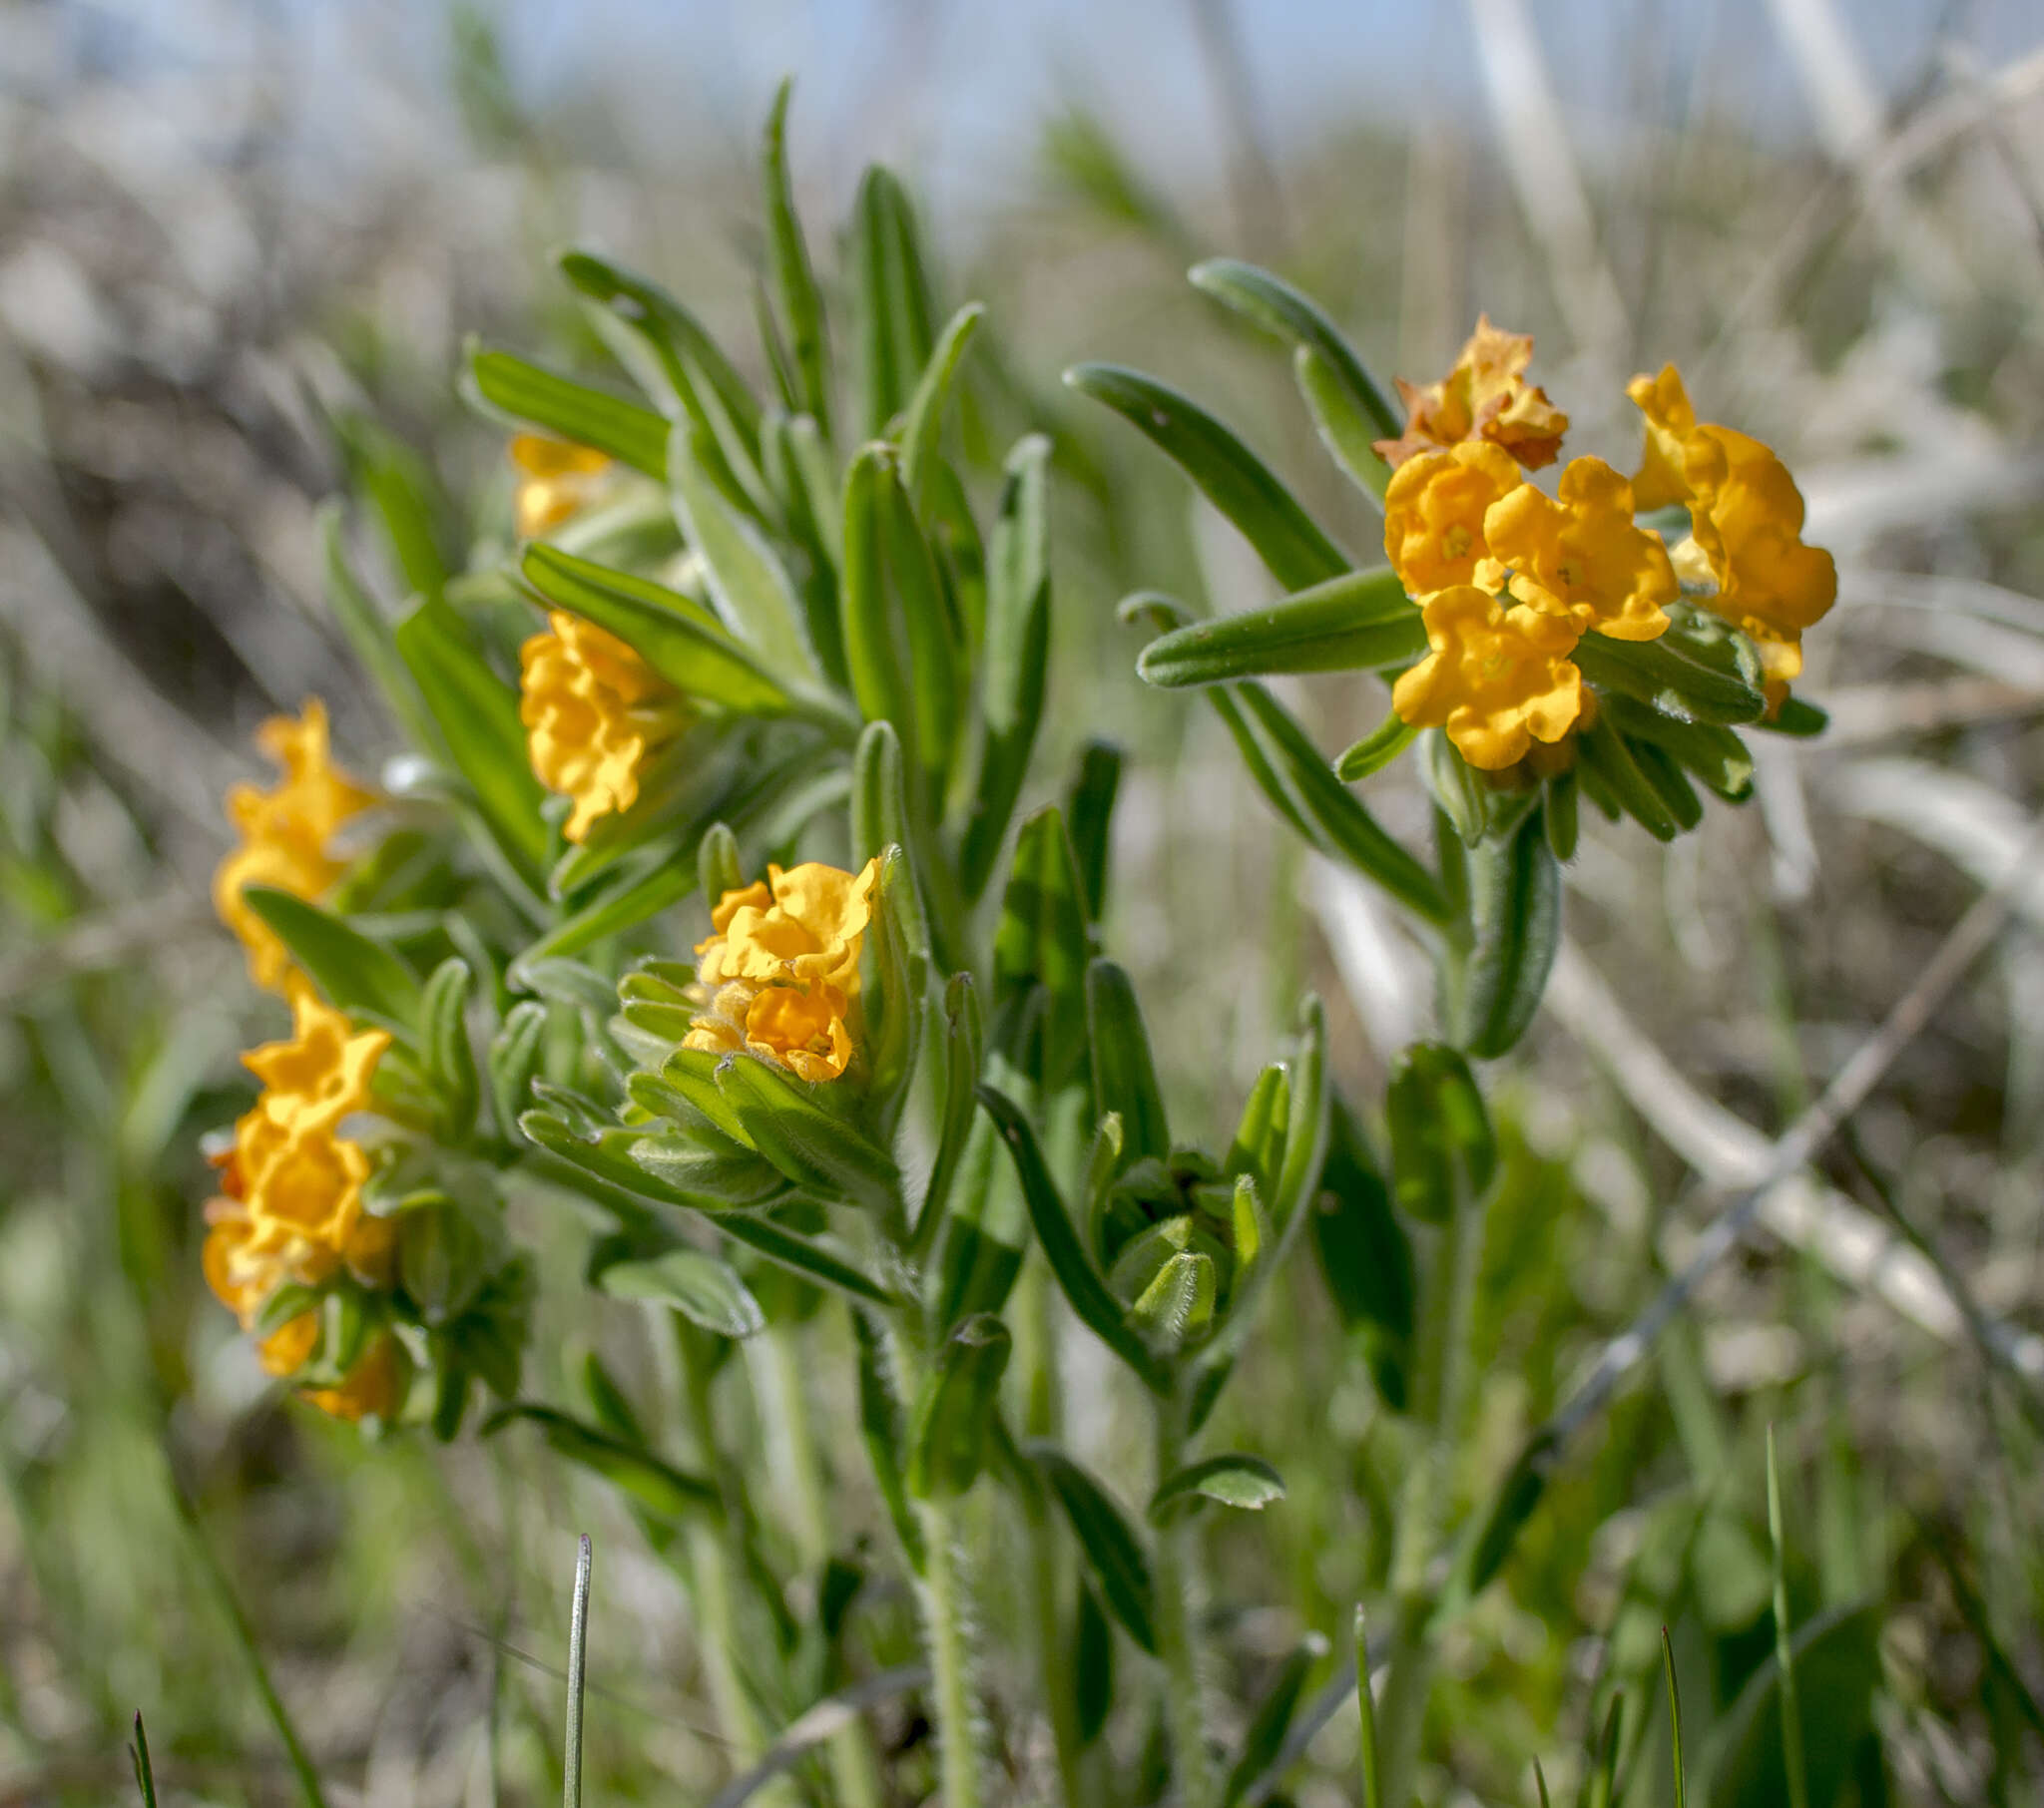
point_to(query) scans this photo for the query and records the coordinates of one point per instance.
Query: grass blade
(1674, 1719)
(1793, 1760)
(144, 1777)
(1367, 1743)
(577, 1650)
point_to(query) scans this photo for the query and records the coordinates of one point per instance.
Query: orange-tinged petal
(556, 479)
(1484, 396)
(804, 1032)
(1434, 510)
(1662, 478)
(1582, 556)
(593, 713)
(1497, 678)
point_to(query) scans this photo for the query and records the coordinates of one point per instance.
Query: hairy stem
(1180, 1594)
(947, 1632)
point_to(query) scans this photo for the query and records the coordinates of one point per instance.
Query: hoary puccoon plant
(698, 908)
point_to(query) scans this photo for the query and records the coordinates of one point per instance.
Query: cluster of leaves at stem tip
(785, 646)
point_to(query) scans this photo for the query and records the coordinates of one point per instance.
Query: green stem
(1178, 1604)
(944, 1618)
(1440, 1383)
(785, 1403)
(1043, 1416)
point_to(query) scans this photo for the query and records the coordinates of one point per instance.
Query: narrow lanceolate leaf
(478, 718)
(894, 297)
(1040, 954)
(1306, 1122)
(1232, 478)
(1377, 749)
(1361, 621)
(795, 280)
(1442, 1146)
(1111, 1547)
(515, 1052)
(354, 973)
(692, 363)
(1607, 763)
(703, 1289)
(814, 1147)
(615, 911)
(1084, 1290)
(1279, 308)
(1089, 819)
(806, 1256)
(754, 596)
(1712, 752)
(1016, 655)
(1344, 429)
(1515, 901)
(875, 641)
(368, 634)
(1689, 680)
(1366, 1257)
(443, 1042)
(1234, 1479)
(929, 635)
(508, 385)
(1258, 1145)
(964, 1051)
(1124, 1073)
(1265, 1736)
(924, 420)
(949, 1442)
(663, 1490)
(682, 642)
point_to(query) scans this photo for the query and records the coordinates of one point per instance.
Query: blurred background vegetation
(240, 245)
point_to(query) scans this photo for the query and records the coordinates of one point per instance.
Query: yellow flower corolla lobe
(1746, 523)
(1485, 396)
(1581, 556)
(594, 713)
(290, 1204)
(1497, 678)
(556, 479)
(779, 975)
(285, 834)
(1434, 512)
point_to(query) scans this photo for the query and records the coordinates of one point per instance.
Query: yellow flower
(285, 834)
(555, 479)
(1484, 397)
(1746, 524)
(779, 975)
(291, 1196)
(1582, 557)
(594, 713)
(1434, 510)
(1497, 678)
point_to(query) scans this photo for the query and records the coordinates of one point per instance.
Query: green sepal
(1695, 672)
(516, 1051)
(1258, 1145)
(1377, 749)
(1607, 764)
(1231, 477)
(1795, 718)
(961, 1398)
(351, 970)
(1357, 622)
(815, 1148)
(1559, 816)
(1442, 1145)
(1714, 753)
(1113, 1553)
(1175, 1310)
(444, 1044)
(511, 388)
(1014, 659)
(1515, 910)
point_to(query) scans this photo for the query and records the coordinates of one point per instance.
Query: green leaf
(894, 297)
(1377, 749)
(925, 417)
(1176, 1309)
(1364, 1254)
(880, 1430)
(509, 386)
(1279, 308)
(876, 639)
(145, 1774)
(1559, 816)
(929, 634)
(964, 1047)
(795, 280)
(443, 1041)
(478, 716)
(1231, 1479)
(1348, 433)
(1441, 1141)
(1515, 906)
(1089, 818)
(1084, 1290)
(368, 634)
(1837, 1670)
(1109, 1543)
(1015, 658)
(1124, 1074)
(880, 820)
(1667, 675)
(703, 1289)
(1039, 953)
(354, 973)
(1659, 770)
(682, 642)
(814, 1147)
(755, 596)
(1714, 753)
(1092, 1668)
(1305, 1122)
(1231, 477)
(1265, 1738)
(1607, 761)
(806, 1256)
(1258, 1145)
(1361, 621)
(959, 1400)
(614, 912)
(396, 482)
(1795, 718)
(660, 1487)
(694, 367)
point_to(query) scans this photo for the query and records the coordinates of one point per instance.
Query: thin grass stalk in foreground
(1793, 1760)
(244, 1636)
(577, 1650)
(1673, 1720)
(144, 1776)
(1366, 1710)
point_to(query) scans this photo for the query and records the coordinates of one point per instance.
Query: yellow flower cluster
(290, 1206)
(1746, 523)
(778, 976)
(594, 713)
(285, 834)
(556, 479)
(1509, 579)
